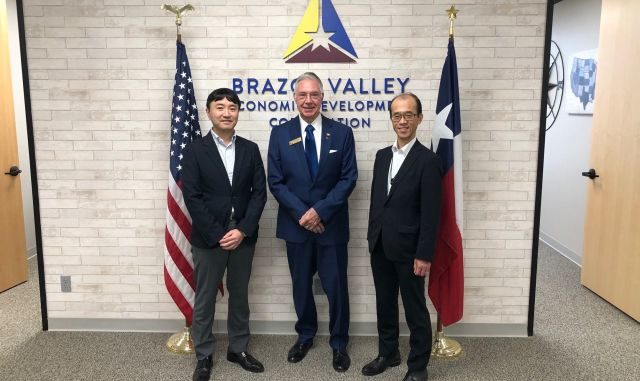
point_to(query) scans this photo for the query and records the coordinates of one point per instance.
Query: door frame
(538, 197)
(540, 170)
(34, 168)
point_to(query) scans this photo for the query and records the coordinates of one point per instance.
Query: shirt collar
(219, 140)
(405, 149)
(317, 123)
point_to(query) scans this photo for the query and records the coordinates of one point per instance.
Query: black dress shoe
(341, 360)
(416, 376)
(203, 369)
(380, 364)
(246, 361)
(298, 351)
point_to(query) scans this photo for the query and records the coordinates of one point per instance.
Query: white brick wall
(101, 77)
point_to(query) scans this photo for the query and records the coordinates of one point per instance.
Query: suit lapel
(325, 141)
(408, 162)
(241, 154)
(383, 171)
(214, 155)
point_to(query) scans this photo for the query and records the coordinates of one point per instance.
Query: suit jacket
(291, 184)
(209, 196)
(407, 218)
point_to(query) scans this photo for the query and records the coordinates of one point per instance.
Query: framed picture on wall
(582, 80)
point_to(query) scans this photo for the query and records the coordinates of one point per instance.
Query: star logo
(320, 28)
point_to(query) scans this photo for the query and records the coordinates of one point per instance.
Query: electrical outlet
(65, 283)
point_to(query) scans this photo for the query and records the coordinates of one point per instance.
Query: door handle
(590, 174)
(14, 171)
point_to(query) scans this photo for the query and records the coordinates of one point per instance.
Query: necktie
(310, 151)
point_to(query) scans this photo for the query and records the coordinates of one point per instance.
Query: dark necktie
(310, 152)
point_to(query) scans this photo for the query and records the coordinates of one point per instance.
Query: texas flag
(446, 279)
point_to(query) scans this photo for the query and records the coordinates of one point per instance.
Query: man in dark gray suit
(225, 192)
(403, 222)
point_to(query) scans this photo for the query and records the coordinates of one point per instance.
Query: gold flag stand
(444, 346)
(180, 342)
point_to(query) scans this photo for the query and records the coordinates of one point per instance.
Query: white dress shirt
(397, 158)
(227, 153)
(228, 156)
(317, 132)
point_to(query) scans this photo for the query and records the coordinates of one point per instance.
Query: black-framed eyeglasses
(408, 116)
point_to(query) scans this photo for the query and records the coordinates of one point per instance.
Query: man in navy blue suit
(311, 172)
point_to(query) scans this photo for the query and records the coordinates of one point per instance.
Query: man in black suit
(225, 192)
(403, 221)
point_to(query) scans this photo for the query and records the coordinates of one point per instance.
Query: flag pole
(180, 342)
(452, 14)
(444, 346)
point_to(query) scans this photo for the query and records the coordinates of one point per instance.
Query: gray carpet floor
(578, 336)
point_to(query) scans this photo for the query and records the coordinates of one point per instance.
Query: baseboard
(271, 327)
(561, 249)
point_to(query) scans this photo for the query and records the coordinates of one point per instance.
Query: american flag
(178, 262)
(446, 278)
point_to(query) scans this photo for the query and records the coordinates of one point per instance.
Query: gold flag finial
(178, 11)
(453, 14)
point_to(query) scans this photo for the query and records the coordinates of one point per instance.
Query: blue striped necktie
(310, 152)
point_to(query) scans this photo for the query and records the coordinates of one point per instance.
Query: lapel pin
(296, 140)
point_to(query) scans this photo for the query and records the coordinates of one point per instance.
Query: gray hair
(308, 75)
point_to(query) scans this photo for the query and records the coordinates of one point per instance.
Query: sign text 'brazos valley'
(370, 87)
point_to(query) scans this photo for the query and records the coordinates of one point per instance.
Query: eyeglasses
(408, 116)
(314, 96)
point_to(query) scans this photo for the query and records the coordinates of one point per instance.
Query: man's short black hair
(404, 95)
(223, 93)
